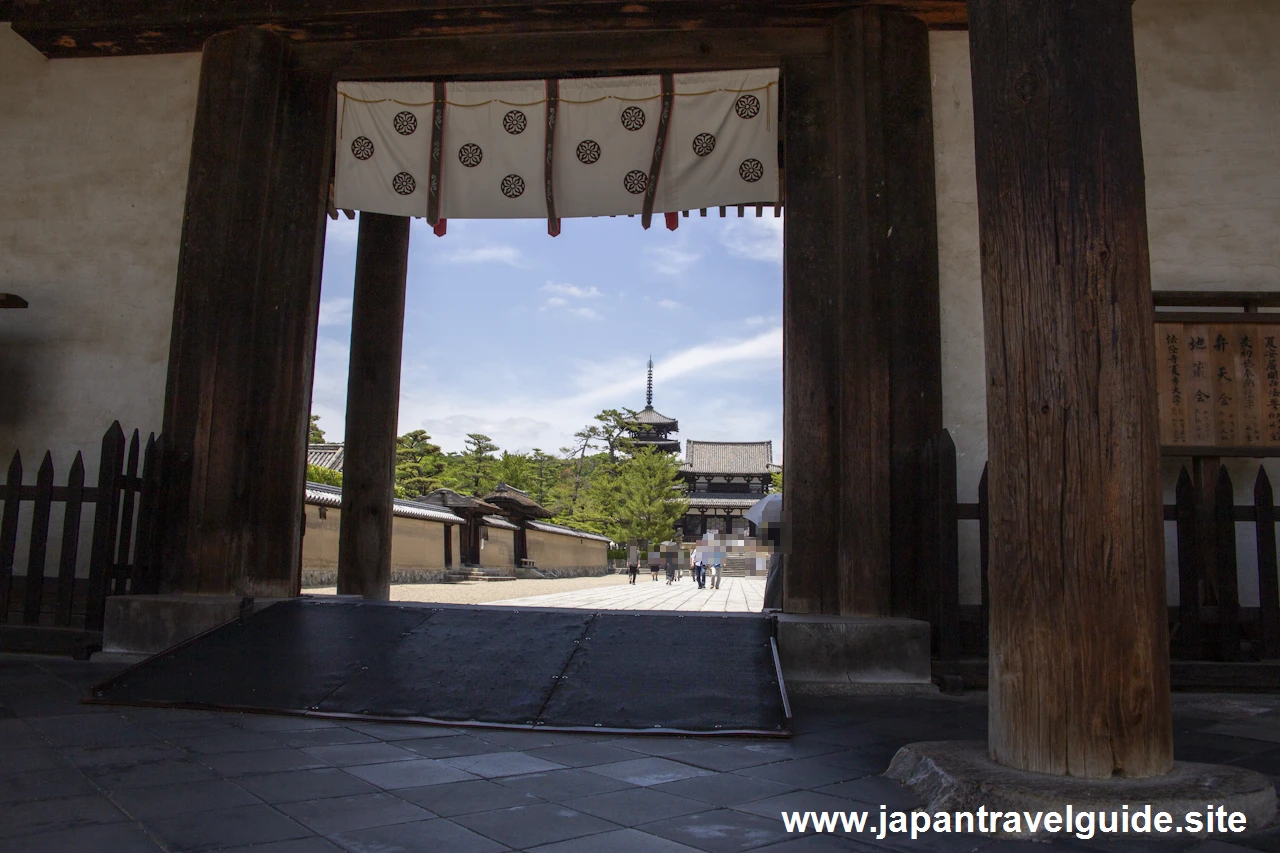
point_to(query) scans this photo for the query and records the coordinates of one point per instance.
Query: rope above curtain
(553, 149)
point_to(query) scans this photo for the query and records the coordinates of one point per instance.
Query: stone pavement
(87, 778)
(736, 595)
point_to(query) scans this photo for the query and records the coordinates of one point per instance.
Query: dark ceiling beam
(78, 28)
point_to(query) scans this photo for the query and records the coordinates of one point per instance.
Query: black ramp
(286, 657)
(688, 673)
(468, 665)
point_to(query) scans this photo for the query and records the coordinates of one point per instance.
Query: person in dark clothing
(633, 569)
(772, 533)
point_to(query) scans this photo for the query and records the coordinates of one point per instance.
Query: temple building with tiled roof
(722, 480)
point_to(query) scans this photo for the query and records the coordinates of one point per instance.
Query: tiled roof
(325, 456)
(499, 522)
(728, 457)
(722, 500)
(567, 531)
(319, 494)
(649, 417)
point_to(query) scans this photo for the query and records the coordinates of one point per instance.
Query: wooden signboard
(1219, 384)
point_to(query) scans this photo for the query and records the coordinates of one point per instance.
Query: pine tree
(650, 501)
(419, 464)
(478, 464)
(316, 436)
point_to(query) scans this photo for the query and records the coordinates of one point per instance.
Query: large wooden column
(1079, 681)
(862, 361)
(244, 320)
(373, 406)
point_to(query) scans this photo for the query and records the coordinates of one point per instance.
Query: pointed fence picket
(63, 611)
(1208, 623)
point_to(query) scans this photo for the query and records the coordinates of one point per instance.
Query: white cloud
(569, 290)
(668, 303)
(754, 321)
(335, 312)
(757, 239)
(671, 260)
(585, 313)
(493, 254)
(556, 302)
(342, 230)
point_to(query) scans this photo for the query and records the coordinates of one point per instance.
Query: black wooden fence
(57, 608)
(1208, 623)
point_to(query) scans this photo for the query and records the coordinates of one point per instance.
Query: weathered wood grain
(1079, 640)
(373, 404)
(1268, 582)
(79, 28)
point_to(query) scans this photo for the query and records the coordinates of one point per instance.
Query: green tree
(317, 435)
(775, 481)
(612, 430)
(477, 464)
(419, 464)
(546, 475)
(514, 469)
(327, 476)
(650, 501)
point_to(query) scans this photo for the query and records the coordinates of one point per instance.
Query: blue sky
(525, 337)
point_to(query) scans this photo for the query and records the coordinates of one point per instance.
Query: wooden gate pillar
(373, 406)
(862, 362)
(242, 345)
(1079, 681)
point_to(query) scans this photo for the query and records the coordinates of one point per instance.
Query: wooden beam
(12, 300)
(81, 28)
(810, 360)
(1079, 681)
(373, 405)
(243, 328)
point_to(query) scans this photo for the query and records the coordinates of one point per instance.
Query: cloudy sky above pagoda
(524, 337)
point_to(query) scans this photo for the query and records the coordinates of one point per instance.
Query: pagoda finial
(648, 396)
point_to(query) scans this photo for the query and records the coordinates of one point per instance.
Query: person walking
(633, 571)
(654, 563)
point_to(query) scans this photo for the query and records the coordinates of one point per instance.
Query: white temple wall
(93, 178)
(1208, 71)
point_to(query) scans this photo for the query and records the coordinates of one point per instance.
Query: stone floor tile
(166, 800)
(561, 785)
(419, 837)
(403, 731)
(345, 814)
(618, 841)
(723, 758)
(649, 771)
(94, 731)
(280, 723)
(237, 741)
(654, 745)
(353, 754)
(583, 754)
(875, 791)
(530, 826)
(720, 831)
(524, 740)
(792, 748)
(466, 797)
(296, 845)
(725, 789)
(454, 746)
(108, 838)
(43, 816)
(43, 785)
(30, 760)
(410, 774)
(232, 764)
(212, 830)
(116, 777)
(303, 738)
(808, 801)
(802, 773)
(498, 764)
(101, 756)
(298, 785)
(634, 806)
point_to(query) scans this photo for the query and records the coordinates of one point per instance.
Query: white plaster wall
(1208, 74)
(93, 174)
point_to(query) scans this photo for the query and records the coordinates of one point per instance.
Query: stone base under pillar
(854, 655)
(143, 625)
(958, 776)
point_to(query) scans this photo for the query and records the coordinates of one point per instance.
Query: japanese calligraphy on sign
(1219, 384)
